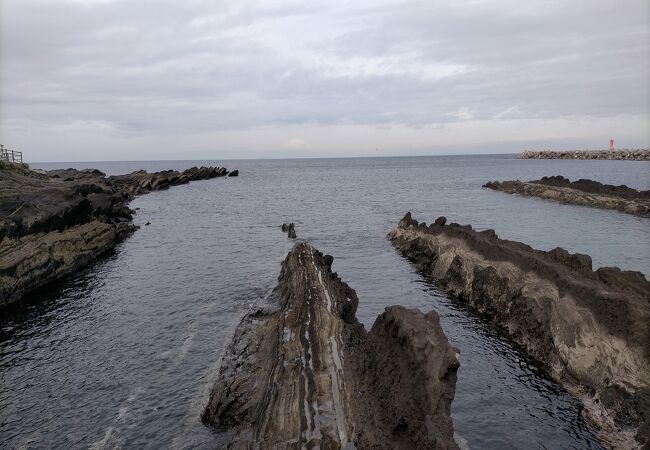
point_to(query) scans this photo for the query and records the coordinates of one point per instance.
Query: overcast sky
(154, 79)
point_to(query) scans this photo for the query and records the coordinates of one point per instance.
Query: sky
(97, 80)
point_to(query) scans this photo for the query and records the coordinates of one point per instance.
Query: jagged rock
(590, 330)
(290, 229)
(582, 192)
(141, 181)
(52, 223)
(624, 154)
(302, 372)
(31, 261)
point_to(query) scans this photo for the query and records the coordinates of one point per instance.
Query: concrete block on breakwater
(622, 155)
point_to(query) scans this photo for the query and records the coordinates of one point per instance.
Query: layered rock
(141, 182)
(589, 329)
(54, 222)
(623, 154)
(302, 372)
(582, 192)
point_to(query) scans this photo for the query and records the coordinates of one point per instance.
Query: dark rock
(290, 229)
(234, 173)
(302, 372)
(441, 221)
(590, 330)
(582, 192)
(54, 222)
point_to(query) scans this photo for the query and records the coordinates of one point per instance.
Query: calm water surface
(124, 353)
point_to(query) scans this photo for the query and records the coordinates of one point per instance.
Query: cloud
(294, 143)
(112, 68)
(512, 111)
(462, 114)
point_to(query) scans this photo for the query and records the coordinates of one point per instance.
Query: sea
(123, 353)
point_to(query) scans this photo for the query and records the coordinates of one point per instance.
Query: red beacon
(611, 145)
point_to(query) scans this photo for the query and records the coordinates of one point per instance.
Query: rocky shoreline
(618, 155)
(302, 372)
(581, 192)
(589, 329)
(54, 222)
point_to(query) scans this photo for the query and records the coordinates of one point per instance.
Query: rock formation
(589, 329)
(290, 229)
(623, 154)
(302, 372)
(582, 192)
(141, 182)
(234, 173)
(52, 223)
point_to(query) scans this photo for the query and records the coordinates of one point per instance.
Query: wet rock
(590, 330)
(34, 260)
(302, 372)
(54, 222)
(290, 229)
(234, 173)
(440, 220)
(141, 181)
(582, 192)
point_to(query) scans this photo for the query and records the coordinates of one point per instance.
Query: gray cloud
(126, 72)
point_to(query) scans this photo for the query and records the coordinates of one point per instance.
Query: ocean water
(123, 354)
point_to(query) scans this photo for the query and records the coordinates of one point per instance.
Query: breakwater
(623, 154)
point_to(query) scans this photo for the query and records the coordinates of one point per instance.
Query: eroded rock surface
(141, 181)
(54, 222)
(302, 372)
(582, 192)
(589, 329)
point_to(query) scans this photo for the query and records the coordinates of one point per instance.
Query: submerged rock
(582, 192)
(54, 222)
(302, 372)
(589, 329)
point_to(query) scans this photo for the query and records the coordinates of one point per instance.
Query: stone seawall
(623, 155)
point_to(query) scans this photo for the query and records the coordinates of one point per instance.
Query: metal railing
(10, 155)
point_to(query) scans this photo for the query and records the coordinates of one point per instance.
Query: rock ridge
(302, 372)
(55, 222)
(589, 329)
(581, 192)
